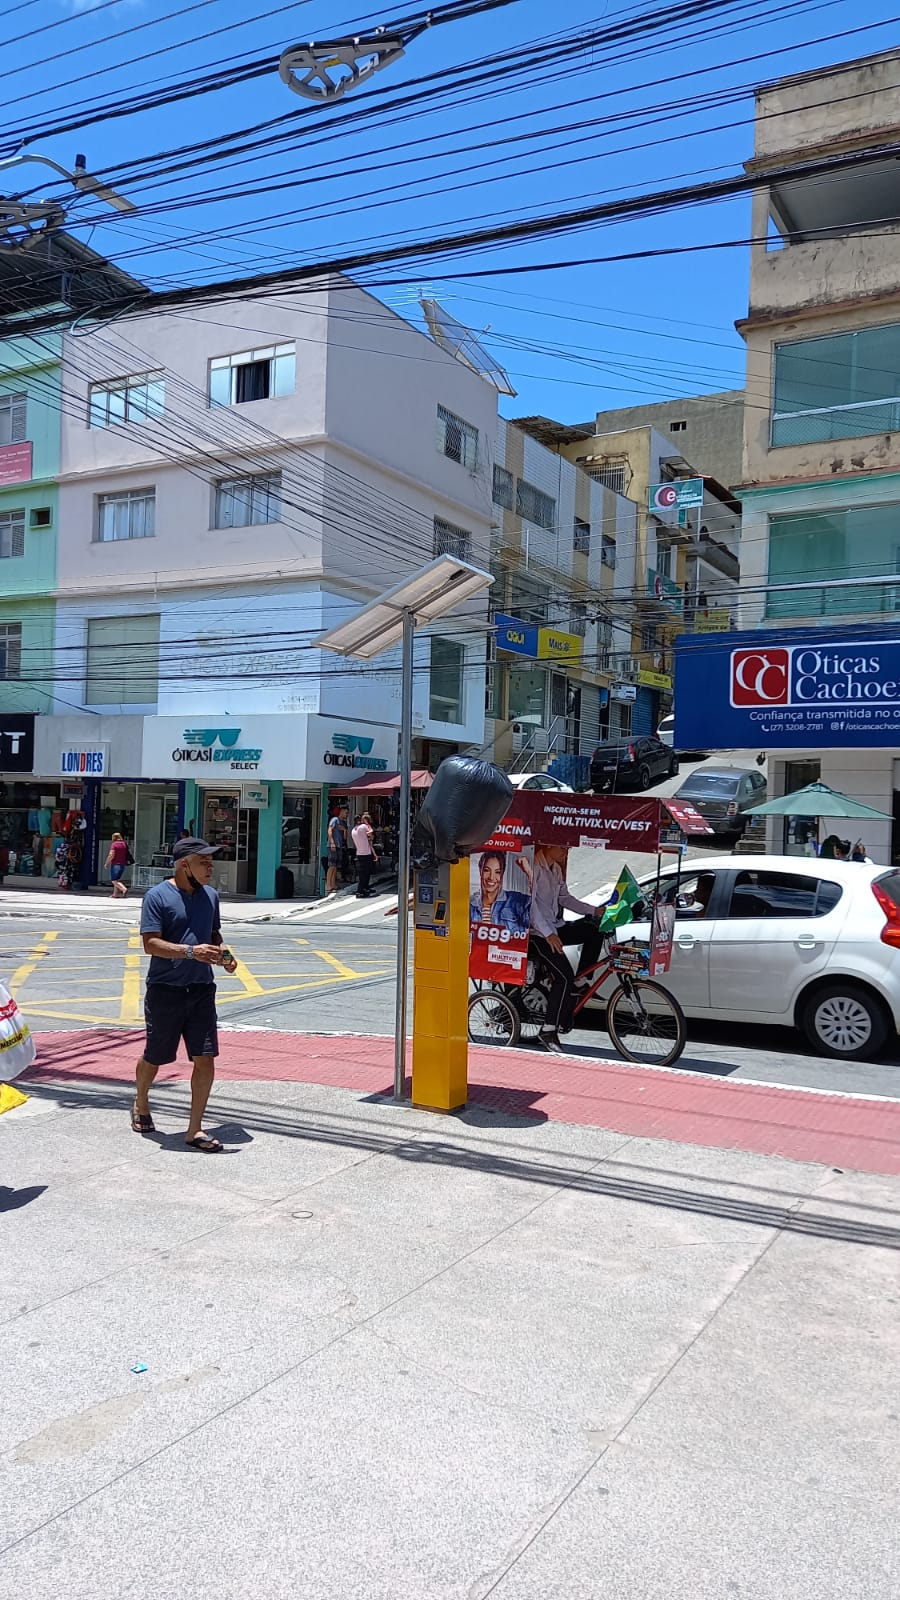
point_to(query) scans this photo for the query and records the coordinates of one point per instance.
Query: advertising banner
(500, 910)
(797, 688)
(662, 934)
(581, 820)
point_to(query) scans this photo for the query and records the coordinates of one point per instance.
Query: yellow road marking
(130, 999)
(39, 951)
(339, 967)
(293, 988)
(245, 976)
(301, 941)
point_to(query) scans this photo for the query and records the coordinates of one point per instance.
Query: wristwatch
(189, 952)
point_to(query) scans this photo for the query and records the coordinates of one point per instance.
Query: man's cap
(192, 847)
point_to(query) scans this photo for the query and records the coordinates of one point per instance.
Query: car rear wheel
(644, 778)
(673, 767)
(846, 1021)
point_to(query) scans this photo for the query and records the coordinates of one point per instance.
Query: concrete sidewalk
(393, 1356)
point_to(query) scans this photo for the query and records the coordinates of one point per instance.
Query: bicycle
(644, 1021)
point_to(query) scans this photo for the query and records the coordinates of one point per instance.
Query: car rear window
(705, 785)
(782, 894)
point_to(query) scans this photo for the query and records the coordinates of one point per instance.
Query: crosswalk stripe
(381, 904)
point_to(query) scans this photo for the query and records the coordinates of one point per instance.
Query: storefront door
(801, 834)
(300, 839)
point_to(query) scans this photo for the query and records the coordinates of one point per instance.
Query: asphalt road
(333, 979)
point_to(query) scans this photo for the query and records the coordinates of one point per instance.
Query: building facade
(562, 553)
(223, 487)
(706, 428)
(821, 465)
(681, 567)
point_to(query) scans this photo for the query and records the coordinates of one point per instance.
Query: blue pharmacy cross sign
(799, 688)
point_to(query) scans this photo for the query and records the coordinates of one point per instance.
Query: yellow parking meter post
(441, 988)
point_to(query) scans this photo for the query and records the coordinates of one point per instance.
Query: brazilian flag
(620, 907)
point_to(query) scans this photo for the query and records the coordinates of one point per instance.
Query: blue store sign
(517, 637)
(796, 689)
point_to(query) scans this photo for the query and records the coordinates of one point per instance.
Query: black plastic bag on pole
(461, 810)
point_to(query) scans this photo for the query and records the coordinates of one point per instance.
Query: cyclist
(550, 934)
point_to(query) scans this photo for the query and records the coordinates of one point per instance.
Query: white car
(538, 780)
(666, 733)
(787, 940)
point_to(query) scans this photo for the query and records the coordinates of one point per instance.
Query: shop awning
(384, 782)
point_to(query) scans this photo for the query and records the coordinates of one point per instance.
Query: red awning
(384, 782)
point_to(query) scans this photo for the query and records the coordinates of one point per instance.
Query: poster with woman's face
(500, 913)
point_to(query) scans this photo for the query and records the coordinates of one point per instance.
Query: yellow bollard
(441, 988)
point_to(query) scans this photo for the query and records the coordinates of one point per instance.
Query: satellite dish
(460, 342)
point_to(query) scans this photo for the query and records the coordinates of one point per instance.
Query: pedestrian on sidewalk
(117, 861)
(363, 835)
(337, 848)
(182, 935)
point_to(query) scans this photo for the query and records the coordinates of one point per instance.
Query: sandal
(141, 1124)
(202, 1141)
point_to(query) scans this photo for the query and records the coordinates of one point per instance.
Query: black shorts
(180, 1011)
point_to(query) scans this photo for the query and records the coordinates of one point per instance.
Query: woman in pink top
(365, 855)
(117, 861)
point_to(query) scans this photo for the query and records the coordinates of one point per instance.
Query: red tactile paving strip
(837, 1130)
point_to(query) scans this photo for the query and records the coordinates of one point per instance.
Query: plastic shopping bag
(17, 1050)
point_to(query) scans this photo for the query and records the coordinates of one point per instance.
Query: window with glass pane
(581, 539)
(608, 551)
(131, 399)
(841, 387)
(504, 488)
(445, 699)
(578, 617)
(266, 374)
(781, 894)
(122, 661)
(503, 492)
(535, 506)
(13, 418)
(457, 438)
(248, 502)
(449, 540)
(863, 542)
(12, 534)
(130, 514)
(10, 650)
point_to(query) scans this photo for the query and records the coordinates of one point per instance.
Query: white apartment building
(234, 478)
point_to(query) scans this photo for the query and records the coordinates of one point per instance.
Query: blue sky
(573, 340)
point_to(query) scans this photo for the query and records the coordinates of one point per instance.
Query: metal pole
(403, 853)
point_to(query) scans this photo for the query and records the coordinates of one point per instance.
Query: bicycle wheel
(493, 1018)
(646, 1023)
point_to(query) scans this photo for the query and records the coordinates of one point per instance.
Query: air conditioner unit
(529, 735)
(631, 666)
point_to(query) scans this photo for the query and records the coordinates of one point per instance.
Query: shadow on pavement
(422, 1150)
(14, 1199)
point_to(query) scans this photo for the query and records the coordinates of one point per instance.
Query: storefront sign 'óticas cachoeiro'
(219, 746)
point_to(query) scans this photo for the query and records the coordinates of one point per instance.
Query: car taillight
(732, 808)
(890, 933)
(631, 754)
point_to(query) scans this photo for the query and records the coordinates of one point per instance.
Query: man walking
(183, 938)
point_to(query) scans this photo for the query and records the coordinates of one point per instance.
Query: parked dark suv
(631, 763)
